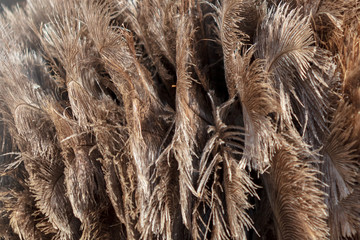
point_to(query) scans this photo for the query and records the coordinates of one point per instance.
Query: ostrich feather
(149, 119)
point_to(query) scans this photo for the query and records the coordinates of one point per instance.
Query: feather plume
(133, 84)
(211, 119)
(40, 150)
(258, 100)
(219, 158)
(235, 21)
(189, 127)
(341, 150)
(295, 197)
(288, 50)
(64, 39)
(154, 24)
(22, 218)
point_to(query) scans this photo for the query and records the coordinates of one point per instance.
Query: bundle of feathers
(180, 119)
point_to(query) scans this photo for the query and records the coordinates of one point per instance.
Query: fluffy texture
(179, 119)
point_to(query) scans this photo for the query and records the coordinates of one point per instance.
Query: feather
(289, 52)
(40, 154)
(64, 40)
(154, 24)
(344, 217)
(188, 124)
(133, 84)
(84, 180)
(260, 110)
(213, 119)
(160, 214)
(235, 21)
(295, 197)
(249, 82)
(22, 218)
(218, 160)
(331, 20)
(341, 149)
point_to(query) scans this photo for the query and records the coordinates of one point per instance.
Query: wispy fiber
(184, 119)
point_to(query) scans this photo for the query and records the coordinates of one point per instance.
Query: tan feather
(295, 197)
